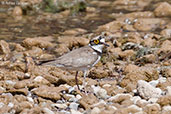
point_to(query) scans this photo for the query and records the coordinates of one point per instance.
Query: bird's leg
(77, 80)
(84, 81)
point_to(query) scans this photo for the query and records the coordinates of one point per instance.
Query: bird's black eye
(96, 41)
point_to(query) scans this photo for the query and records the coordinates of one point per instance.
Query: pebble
(47, 111)
(75, 112)
(62, 106)
(147, 91)
(10, 104)
(100, 92)
(168, 91)
(1, 104)
(73, 105)
(95, 110)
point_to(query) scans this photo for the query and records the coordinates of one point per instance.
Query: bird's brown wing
(77, 58)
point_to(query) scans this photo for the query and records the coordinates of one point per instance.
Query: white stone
(162, 79)
(147, 91)
(154, 83)
(100, 92)
(48, 111)
(38, 79)
(10, 104)
(152, 100)
(61, 106)
(166, 110)
(168, 91)
(1, 104)
(65, 112)
(135, 99)
(95, 110)
(75, 112)
(135, 107)
(78, 96)
(119, 95)
(99, 103)
(73, 105)
(30, 99)
(154, 104)
(106, 85)
(9, 82)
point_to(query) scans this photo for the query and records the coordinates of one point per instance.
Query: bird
(81, 59)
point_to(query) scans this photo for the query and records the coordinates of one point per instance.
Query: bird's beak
(107, 45)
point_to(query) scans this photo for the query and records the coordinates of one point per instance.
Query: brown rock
(147, 24)
(87, 100)
(17, 11)
(20, 98)
(17, 47)
(23, 91)
(164, 100)
(108, 110)
(151, 58)
(146, 14)
(49, 92)
(33, 110)
(130, 109)
(74, 32)
(149, 42)
(4, 47)
(34, 52)
(68, 42)
(22, 105)
(163, 85)
(165, 47)
(22, 84)
(111, 27)
(163, 10)
(30, 65)
(121, 99)
(166, 33)
(40, 80)
(152, 109)
(98, 72)
(127, 54)
(166, 72)
(42, 42)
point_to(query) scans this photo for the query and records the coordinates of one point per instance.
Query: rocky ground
(133, 76)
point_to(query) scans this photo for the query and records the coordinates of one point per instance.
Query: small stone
(152, 108)
(95, 110)
(75, 112)
(78, 96)
(164, 100)
(100, 92)
(166, 110)
(166, 33)
(73, 105)
(147, 91)
(17, 11)
(41, 80)
(11, 105)
(135, 99)
(168, 91)
(1, 104)
(164, 9)
(58, 105)
(47, 111)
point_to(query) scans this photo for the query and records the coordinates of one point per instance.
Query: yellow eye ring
(96, 41)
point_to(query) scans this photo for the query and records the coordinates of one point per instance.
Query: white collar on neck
(98, 48)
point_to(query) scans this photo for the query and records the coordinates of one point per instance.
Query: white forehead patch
(102, 40)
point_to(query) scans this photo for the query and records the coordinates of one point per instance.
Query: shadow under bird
(81, 59)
